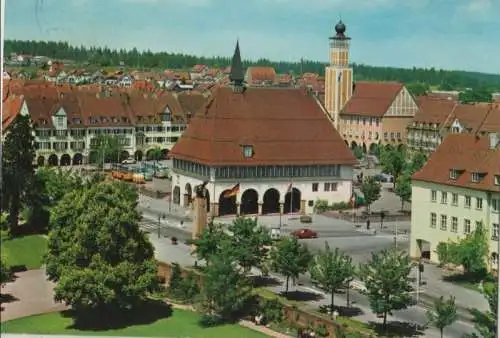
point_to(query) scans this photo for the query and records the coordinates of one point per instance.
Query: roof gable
(372, 99)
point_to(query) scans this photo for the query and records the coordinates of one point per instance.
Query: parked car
(305, 233)
(129, 160)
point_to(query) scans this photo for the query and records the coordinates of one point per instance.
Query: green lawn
(181, 324)
(26, 250)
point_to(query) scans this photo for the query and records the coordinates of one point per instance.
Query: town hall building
(261, 151)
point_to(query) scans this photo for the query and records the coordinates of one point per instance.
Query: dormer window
(453, 174)
(247, 151)
(475, 177)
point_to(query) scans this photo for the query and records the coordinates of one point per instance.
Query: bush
(321, 206)
(210, 321)
(272, 310)
(341, 206)
(174, 289)
(305, 219)
(189, 288)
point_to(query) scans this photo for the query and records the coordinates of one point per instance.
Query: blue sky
(449, 34)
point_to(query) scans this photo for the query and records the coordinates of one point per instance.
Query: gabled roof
(11, 108)
(433, 109)
(284, 127)
(491, 123)
(258, 74)
(468, 154)
(372, 99)
(191, 102)
(470, 116)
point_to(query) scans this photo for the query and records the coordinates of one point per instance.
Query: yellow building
(458, 188)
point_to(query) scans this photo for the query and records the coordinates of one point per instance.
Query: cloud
(478, 11)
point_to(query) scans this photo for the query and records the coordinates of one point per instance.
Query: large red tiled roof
(470, 116)
(259, 74)
(434, 109)
(191, 102)
(491, 122)
(372, 99)
(11, 108)
(467, 153)
(284, 126)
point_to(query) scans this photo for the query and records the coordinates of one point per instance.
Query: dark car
(305, 233)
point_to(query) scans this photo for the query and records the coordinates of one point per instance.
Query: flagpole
(291, 196)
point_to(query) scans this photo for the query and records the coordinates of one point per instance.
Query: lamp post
(382, 216)
(160, 217)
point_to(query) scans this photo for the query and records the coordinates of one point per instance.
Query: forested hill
(104, 57)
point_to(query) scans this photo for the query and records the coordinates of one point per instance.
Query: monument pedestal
(199, 217)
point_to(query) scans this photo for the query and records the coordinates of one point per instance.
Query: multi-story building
(261, 151)
(365, 113)
(458, 188)
(439, 117)
(67, 122)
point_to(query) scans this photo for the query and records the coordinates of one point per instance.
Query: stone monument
(199, 210)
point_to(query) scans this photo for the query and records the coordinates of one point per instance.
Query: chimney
(494, 140)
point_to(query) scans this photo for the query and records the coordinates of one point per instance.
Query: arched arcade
(249, 202)
(271, 202)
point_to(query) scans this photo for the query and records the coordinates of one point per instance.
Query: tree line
(104, 57)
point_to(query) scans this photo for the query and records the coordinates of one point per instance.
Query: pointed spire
(237, 76)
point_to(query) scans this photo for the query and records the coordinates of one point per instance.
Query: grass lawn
(180, 324)
(25, 251)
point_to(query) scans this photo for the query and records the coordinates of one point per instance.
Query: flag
(232, 192)
(352, 200)
(290, 187)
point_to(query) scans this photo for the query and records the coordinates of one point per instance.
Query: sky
(448, 34)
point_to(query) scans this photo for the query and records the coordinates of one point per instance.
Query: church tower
(338, 75)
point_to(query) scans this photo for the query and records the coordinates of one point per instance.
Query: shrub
(341, 206)
(189, 288)
(174, 289)
(272, 310)
(305, 219)
(321, 206)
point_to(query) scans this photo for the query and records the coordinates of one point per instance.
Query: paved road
(164, 251)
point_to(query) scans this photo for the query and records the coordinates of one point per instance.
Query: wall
(343, 193)
(422, 207)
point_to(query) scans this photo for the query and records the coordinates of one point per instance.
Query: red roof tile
(470, 116)
(11, 108)
(433, 109)
(468, 154)
(260, 74)
(284, 126)
(491, 123)
(372, 98)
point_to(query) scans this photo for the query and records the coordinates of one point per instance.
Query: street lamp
(160, 217)
(382, 216)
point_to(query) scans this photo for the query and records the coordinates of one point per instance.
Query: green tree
(210, 241)
(189, 288)
(443, 314)
(470, 96)
(17, 165)
(417, 162)
(97, 254)
(4, 270)
(418, 88)
(403, 189)
(332, 270)
(358, 152)
(470, 252)
(290, 258)
(371, 191)
(387, 282)
(393, 162)
(175, 282)
(225, 289)
(249, 242)
(107, 149)
(485, 323)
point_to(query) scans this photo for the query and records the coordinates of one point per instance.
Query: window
(454, 199)
(454, 224)
(479, 203)
(467, 202)
(247, 151)
(433, 195)
(444, 222)
(444, 197)
(466, 226)
(494, 232)
(453, 174)
(497, 179)
(495, 205)
(315, 187)
(398, 135)
(330, 187)
(475, 177)
(433, 220)
(385, 136)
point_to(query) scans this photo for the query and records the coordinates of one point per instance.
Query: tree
(175, 282)
(290, 258)
(17, 166)
(332, 270)
(393, 162)
(155, 154)
(443, 314)
(418, 88)
(249, 242)
(189, 288)
(485, 323)
(386, 278)
(403, 189)
(97, 254)
(107, 149)
(470, 252)
(358, 152)
(4, 270)
(417, 162)
(371, 191)
(209, 242)
(225, 289)
(471, 96)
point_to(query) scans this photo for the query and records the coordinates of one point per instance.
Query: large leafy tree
(106, 148)
(387, 282)
(249, 242)
(371, 191)
(225, 288)
(403, 189)
(485, 323)
(209, 242)
(443, 314)
(332, 269)
(393, 161)
(17, 166)
(97, 254)
(290, 258)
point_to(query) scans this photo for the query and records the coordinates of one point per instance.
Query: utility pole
(160, 217)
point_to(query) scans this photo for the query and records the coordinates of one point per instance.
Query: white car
(129, 161)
